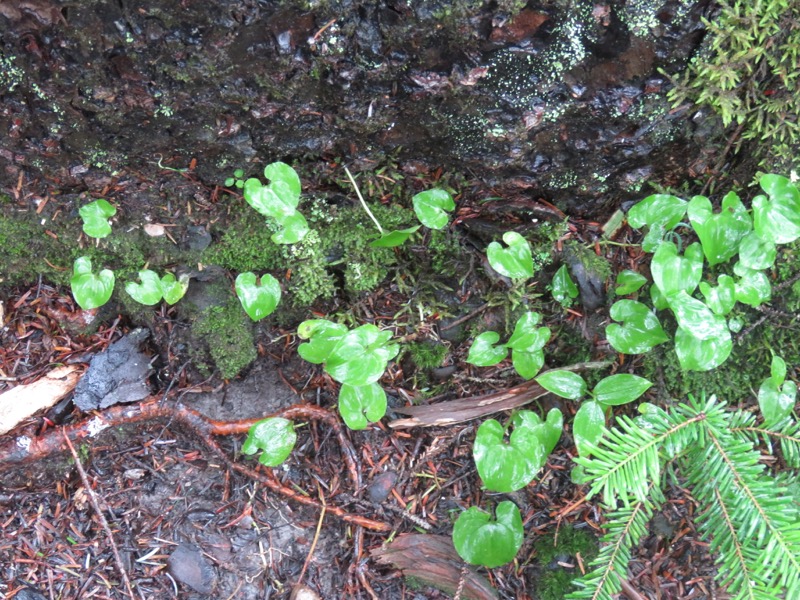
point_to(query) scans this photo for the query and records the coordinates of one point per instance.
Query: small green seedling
(526, 345)
(563, 288)
(355, 358)
(776, 396)
(236, 180)
(432, 206)
(640, 331)
(259, 299)
(629, 282)
(95, 216)
(274, 437)
(590, 421)
(508, 466)
(90, 290)
(277, 200)
(152, 289)
(481, 540)
(660, 213)
(514, 261)
(719, 233)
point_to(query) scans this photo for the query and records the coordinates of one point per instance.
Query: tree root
(23, 450)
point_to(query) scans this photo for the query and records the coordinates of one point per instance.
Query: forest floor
(186, 525)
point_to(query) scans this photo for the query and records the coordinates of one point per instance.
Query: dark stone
(190, 568)
(381, 486)
(118, 375)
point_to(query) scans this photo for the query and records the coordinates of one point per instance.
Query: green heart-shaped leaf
(548, 431)
(722, 298)
(258, 299)
(281, 172)
(658, 209)
(484, 353)
(526, 363)
(620, 389)
(90, 290)
(563, 288)
(563, 383)
(753, 287)
(719, 233)
(527, 336)
(294, 228)
(172, 289)
(757, 253)
(776, 401)
(323, 336)
(148, 292)
(696, 317)
(390, 239)
(481, 540)
(361, 405)
(695, 354)
(673, 272)
(274, 437)
(777, 220)
(628, 282)
(95, 216)
(640, 331)
(431, 207)
(507, 466)
(361, 356)
(515, 261)
(588, 426)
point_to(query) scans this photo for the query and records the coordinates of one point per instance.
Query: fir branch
(787, 433)
(625, 527)
(626, 460)
(767, 524)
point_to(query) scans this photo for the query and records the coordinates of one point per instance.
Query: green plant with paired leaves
(259, 298)
(277, 200)
(515, 259)
(590, 420)
(430, 206)
(749, 517)
(526, 344)
(482, 540)
(153, 288)
(95, 216)
(90, 289)
(703, 335)
(274, 438)
(355, 358)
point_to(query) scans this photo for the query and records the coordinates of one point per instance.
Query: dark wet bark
(566, 95)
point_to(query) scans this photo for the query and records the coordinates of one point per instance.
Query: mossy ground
(227, 333)
(554, 580)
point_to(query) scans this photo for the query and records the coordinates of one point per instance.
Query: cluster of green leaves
(526, 345)
(750, 72)
(749, 517)
(703, 335)
(153, 288)
(277, 199)
(590, 420)
(355, 358)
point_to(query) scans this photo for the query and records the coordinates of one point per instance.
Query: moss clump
(554, 581)
(24, 246)
(228, 335)
(427, 355)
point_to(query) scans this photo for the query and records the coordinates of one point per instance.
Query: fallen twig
(23, 449)
(95, 502)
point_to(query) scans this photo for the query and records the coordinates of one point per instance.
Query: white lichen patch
(24, 442)
(95, 426)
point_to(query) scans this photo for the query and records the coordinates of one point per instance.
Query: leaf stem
(361, 198)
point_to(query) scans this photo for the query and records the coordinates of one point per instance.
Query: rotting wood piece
(22, 450)
(475, 407)
(433, 560)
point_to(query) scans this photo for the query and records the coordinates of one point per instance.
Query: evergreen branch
(786, 432)
(766, 517)
(626, 460)
(625, 527)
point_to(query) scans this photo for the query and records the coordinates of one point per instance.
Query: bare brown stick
(23, 449)
(93, 499)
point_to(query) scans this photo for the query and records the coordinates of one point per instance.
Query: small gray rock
(115, 376)
(190, 568)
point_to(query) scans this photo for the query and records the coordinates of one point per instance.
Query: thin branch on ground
(95, 502)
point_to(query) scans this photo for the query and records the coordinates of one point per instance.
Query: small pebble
(189, 567)
(381, 486)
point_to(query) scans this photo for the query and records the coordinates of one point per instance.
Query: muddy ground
(547, 110)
